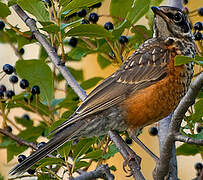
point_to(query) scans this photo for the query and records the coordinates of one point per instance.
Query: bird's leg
(130, 157)
(146, 149)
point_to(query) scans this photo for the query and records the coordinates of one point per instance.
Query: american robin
(145, 89)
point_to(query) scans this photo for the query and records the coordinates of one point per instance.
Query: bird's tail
(58, 140)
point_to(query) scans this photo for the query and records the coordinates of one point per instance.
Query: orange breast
(156, 101)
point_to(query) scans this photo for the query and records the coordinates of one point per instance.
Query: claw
(131, 157)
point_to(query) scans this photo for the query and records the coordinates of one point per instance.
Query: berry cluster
(13, 79)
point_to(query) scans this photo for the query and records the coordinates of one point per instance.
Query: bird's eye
(177, 17)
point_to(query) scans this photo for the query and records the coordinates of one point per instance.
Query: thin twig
(50, 51)
(128, 154)
(189, 140)
(17, 139)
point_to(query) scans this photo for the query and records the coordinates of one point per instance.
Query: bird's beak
(156, 10)
(160, 12)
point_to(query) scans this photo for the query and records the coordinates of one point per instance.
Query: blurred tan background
(91, 68)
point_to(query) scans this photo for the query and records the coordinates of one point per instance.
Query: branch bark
(163, 124)
(181, 138)
(102, 171)
(20, 141)
(51, 52)
(62, 69)
(162, 167)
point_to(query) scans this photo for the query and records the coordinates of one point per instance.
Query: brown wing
(143, 68)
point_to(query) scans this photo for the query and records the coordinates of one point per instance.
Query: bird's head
(171, 22)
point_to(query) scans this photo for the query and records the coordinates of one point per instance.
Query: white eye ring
(177, 17)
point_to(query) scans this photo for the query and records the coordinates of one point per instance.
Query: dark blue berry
(31, 171)
(108, 25)
(9, 129)
(98, 5)
(24, 84)
(35, 90)
(128, 141)
(3, 88)
(93, 17)
(21, 158)
(198, 166)
(200, 11)
(84, 21)
(21, 51)
(153, 131)
(198, 36)
(10, 94)
(123, 39)
(73, 41)
(198, 26)
(40, 145)
(26, 116)
(2, 25)
(82, 13)
(13, 79)
(199, 129)
(8, 69)
(185, 1)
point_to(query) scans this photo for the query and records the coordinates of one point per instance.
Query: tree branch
(17, 139)
(51, 52)
(128, 154)
(162, 167)
(57, 62)
(102, 171)
(189, 140)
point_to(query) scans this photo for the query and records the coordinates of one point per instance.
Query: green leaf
(138, 9)
(180, 60)
(97, 154)
(150, 14)
(198, 136)
(12, 2)
(198, 109)
(23, 41)
(82, 147)
(102, 61)
(14, 150)
(90, 83)
(89, 30)
(77, 54)
(112, 150)
(36, 8)
(117, 12)
(76, 4)
(187, 150)
(37, 73)
(65, 149)
(32, 133)
(77, 74)
(25, 122)
(80, 164)
(4, 10)
(52, 28)
(49, 161)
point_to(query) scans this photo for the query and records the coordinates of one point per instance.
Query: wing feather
(142, 69)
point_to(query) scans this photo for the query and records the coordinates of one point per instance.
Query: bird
(146, 88)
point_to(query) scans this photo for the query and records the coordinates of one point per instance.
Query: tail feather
(58, 140)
